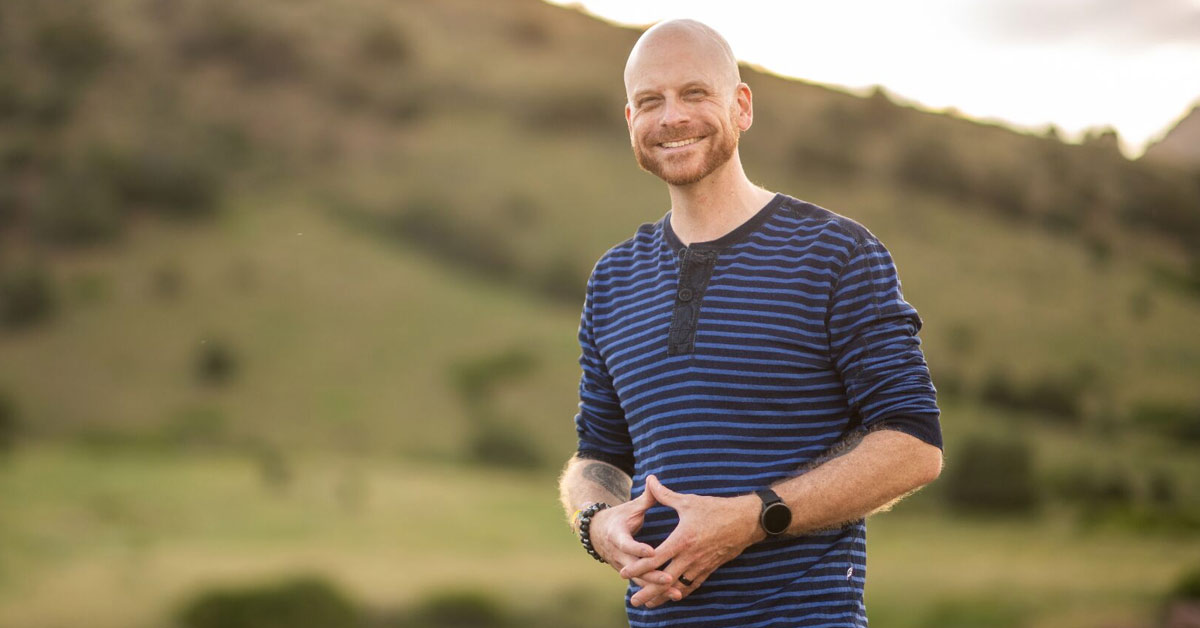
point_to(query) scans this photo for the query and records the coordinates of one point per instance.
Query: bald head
(687, 41)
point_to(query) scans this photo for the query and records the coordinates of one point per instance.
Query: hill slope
(455, 169)
(1181, 145)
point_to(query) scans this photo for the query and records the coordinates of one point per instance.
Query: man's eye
(647, 102)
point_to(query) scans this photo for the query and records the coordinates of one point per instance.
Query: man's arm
(585, 482)
(866, 476)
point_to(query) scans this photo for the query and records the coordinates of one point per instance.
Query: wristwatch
(775, 516)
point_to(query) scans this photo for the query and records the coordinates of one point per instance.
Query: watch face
(776, 518)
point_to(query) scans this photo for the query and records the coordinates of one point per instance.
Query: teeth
(680, 143)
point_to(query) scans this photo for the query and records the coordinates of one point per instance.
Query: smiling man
(753, 385)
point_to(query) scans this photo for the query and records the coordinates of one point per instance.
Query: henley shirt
(725, 366)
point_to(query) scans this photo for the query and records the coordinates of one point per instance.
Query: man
(752, 386)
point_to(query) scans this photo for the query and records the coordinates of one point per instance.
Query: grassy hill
(300, 232)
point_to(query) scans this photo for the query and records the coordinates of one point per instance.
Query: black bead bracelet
(585, 524)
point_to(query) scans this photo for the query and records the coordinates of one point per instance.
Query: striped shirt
(723, 367)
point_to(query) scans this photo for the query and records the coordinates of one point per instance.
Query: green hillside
(308, 236)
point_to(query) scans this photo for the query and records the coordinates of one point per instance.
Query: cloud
(1124, 23)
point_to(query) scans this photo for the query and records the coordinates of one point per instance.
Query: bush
(222, 33)
(474, 379)
(990, 475)
(1173, 420)
(460, 609)
(383, 44)
(431, 224)
(171, 179)
(216, 363)
(1188, 586)
(1051, 395)
(9, 425)
(78, 207)
(304, 602)
(73, 43)
(27, 296)
(567, 111)
(503, 445)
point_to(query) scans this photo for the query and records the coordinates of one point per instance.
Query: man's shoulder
(810, 216)
(645, 240)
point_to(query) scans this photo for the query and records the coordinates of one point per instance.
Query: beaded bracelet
(585, 523)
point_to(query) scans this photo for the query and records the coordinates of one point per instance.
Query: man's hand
(612, 533)
(711, 532)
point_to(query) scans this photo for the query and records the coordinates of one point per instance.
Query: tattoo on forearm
(609, 478)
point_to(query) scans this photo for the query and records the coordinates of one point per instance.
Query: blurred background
(289, 293)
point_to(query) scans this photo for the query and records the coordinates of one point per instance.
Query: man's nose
(674, 113)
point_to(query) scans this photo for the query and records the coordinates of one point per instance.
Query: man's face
(685, 116)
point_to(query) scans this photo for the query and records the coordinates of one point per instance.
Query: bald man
(753, 385)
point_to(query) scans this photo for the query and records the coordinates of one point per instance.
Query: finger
(648, 592)
(664, 495)
(633, 548)
(646, 499)
(663, 594)
(654, 578)
(665, 552)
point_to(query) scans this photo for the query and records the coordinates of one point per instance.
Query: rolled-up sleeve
(874, 345)
(600, 422)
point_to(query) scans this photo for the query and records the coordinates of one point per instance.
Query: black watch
(776, 516)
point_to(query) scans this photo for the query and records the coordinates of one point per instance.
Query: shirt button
(685, 294)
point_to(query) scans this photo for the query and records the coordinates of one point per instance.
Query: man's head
(683, 85)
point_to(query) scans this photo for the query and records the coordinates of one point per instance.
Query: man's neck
(715, 205)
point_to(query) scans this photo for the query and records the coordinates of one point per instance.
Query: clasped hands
(711, 532)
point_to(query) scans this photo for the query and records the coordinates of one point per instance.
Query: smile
(677, 144)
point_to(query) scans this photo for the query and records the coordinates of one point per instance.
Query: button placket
(695, 270)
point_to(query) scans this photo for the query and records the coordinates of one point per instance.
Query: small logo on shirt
(849, 572)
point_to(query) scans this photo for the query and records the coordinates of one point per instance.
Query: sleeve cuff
(924, 427)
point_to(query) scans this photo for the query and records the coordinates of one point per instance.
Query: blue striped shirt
(726, 366)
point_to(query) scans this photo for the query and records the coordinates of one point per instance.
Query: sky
(1133, 65)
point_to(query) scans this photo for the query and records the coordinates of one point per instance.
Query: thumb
(661, 493)
(646, 500)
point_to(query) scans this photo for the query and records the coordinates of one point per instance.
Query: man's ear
(629, 117)
(744, 101)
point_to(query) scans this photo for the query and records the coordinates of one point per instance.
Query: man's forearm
(586, 481)
(863, 477)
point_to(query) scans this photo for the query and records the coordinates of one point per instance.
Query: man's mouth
(678, 143)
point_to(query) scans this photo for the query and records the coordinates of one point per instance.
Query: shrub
(1187, 587)
(571, 111)
(1174, 420)
(503, 445)
(383, 44)
(27, 296)
(475, 378)
(431, 224)
(303, 602)
(258, 51)
(9, 425)
(78, 207)
(990, 475)
(170, 178)
(73, 42)
(460, 609)
(1050, 395)
(216, 363)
